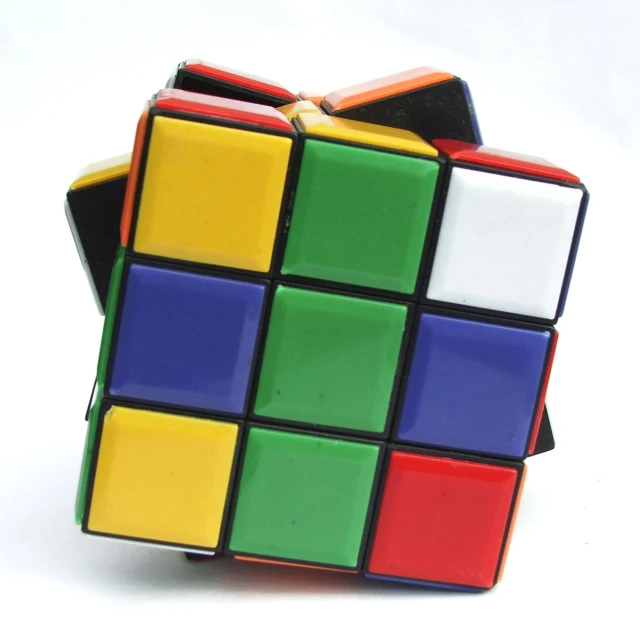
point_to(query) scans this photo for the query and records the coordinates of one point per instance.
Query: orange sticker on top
(385, 87)
(312, 96)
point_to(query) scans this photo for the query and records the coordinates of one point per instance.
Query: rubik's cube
(329, 327)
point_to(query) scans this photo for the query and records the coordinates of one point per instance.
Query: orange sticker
(312, 96)
(514, 517)
(132, 182)
(257, 560)
(385, 87)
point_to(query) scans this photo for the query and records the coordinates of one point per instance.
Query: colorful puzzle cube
(327, 342)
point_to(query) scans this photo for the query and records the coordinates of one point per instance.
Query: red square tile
(443, 520)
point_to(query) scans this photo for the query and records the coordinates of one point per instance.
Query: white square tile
(504, 243)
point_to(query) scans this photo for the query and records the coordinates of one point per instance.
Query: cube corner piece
(429, 102)
(93, 207)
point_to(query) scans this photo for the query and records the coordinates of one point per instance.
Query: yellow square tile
(212, 194)
(162, 477)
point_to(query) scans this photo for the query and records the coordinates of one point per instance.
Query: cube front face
(291, 370)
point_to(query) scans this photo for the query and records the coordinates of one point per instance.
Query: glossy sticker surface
(186, 339)
(473, 385)
(303, 497)
(330, 359)
(360, 216)
(162, 477)
(442, 520)
(203, 202)
(504, 244)
(364, 133)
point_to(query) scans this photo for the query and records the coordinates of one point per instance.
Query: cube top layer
(239, 78)
(394, 84)
(500, 159)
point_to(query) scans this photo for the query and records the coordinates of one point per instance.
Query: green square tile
(304, 497)
(330, 360)
(360, 216)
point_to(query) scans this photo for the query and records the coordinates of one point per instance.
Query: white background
(555, 78)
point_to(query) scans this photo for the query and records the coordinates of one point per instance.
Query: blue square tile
(473, 386)
(186, 339)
